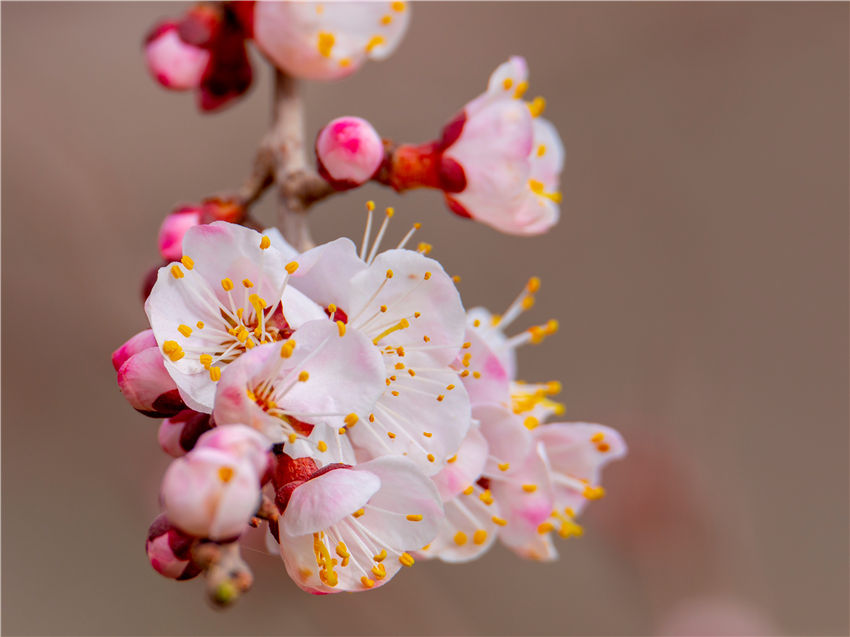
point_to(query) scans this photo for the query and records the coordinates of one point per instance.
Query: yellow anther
(504, 466)
(370, 206)
(391, 435)
(456, 278)
(427, 276)
(597, 437)
(383, 308)
(401, 325)
(387, 19)
(486, 497)
(553, 387)
(480, 536)
(460, 538)
(537, 106)
(495, 320)
(389, 274)
(541, 150)
(499, 521)
(303, 375)
(169, 347)
(603, 447)
(529, 488)
(342, 550)
(358, 513)
(426, 547)
(464, 373)
(476, 323)
(476, 374)
(427, 434)
(371, 417)
(215, 374)
(414, 517)
(398, 6)
(368, 583)
(593, 493)
(227, 284)
(225, 474)
(531, 422)
(466, 345)
(545, 527)
(440, 398)
(287, 348)
(469, 490)
(521, 88)
(291, 267)
(507, 83)
(187, 262)
(292, 438)
(424, 248)
(390, 212)
(345, 63)
(417, 314)
(248, 283)
(374, 42)
(351, 419)
(239, 312)
(528, 303)
(380, 557)
(331, 309)
(340, 326)
(206, 360)
(450, 387)
(341, 431)
(176, 272)
(431, 457)
(242, 335)
(417, 225)
(400, 350)
(551, 327)
(399, 366)
(323, 446)
(537, 334)
(325, 43)
(452, 459)
(406, 559)
(265, 242)
(200, 325)
(426, 338)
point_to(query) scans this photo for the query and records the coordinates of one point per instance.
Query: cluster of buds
(205, 49)
(340, 397)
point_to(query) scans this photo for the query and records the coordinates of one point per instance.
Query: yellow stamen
(325, 43)
(521, 88)
(414, 517)
(402, 324)
(176, 272)
(406, 559)
(187, 262)
(380, 557)
(206, 360)
(225, 474)
(323, 446)
(480, 536)
(185, 330)
(340, 326)
(507, 83)
(351, 419)
(529, 488)
(265, 242)
(537, 106)
(499, 521)
(291, 267)
(358, 513)
(227, 284)
(303, 376)
(504, 466)
(374, 42)
(215, 374)
(460, 538)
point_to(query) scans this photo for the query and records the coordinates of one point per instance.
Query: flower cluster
(339, 397)
(205, 50)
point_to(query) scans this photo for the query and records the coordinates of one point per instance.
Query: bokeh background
(700, 275)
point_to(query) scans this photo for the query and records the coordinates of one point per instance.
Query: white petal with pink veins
(323, 501)
(465, 467)
(509, 441)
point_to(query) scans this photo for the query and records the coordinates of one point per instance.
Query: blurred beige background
(699, 273)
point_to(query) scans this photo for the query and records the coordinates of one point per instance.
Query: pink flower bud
(141, 341)
(241, 441)
(168, 550)
(179, 434)
(349, 151)
(171, 61)
(147, 386)
(173, 227)
(210, 493)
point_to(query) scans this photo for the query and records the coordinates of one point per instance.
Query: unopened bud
(349, 151)
(169, 550)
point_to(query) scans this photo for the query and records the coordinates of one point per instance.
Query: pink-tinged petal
(509, 441)
(325, 271)
(325, 500)
(393, 513)
(210, 493)
(418, 292)
(147, 386)
(349, 151)
(491, 383)
(172, 62)
(547, 156)
(488, 330)
(417, 417)
(243, 442)
(467, 531)
(465, 468)
(141, 341)
(329, 40)
(168, 550)
(174, 228)
(515, 70)
(283, 246)
(526, 500)
(342, 375)
(179, 434)
(577, 452)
